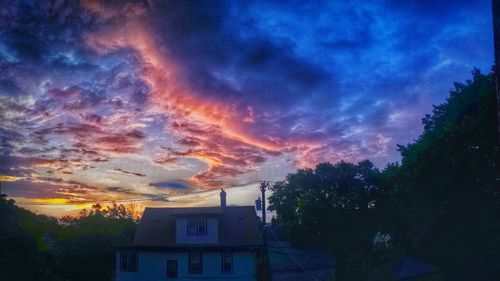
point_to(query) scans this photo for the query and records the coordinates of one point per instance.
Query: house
(208, 243)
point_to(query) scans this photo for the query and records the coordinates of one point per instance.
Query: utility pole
(263, 186)
(266, 272)
(2, 196)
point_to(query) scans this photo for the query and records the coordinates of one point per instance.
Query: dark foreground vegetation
(440, 205)
(37, 247)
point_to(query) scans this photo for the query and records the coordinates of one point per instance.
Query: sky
(160, 102)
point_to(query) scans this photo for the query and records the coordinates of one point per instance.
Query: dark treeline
(38, 247)
(440, 205)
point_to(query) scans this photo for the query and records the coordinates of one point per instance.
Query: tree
(84, 248)
(331, 207)
(90, 238)
(445, 194)
(20, 255)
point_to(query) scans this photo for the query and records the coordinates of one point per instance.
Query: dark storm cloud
(171, 185)
(32, 30)
(435, 10)
(202, 36)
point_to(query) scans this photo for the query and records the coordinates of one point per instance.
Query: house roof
(289, 263)
(238, 226)
(409, 267)
(198, 211)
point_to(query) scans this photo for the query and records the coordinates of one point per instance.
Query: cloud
(46, 188)
(171, 185)
(118, 170)
(9, 178)
(121, 190)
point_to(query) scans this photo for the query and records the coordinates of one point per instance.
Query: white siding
(212, 236)
(152, 266)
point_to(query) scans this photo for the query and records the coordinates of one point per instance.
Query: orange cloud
(9, 178)
(51, 201)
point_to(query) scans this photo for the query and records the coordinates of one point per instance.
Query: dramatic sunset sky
(148, 101)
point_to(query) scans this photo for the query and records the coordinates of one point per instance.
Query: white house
(209, 243)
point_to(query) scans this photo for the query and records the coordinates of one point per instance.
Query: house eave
(184, 248)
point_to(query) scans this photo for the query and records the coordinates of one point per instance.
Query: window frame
(194, 224)
(176, 274)
(190, 257)
(224, 255)
(129, 261)
(202, 222)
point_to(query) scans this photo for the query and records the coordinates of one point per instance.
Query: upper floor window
(128, 261)
(197, 226)
(227, 262)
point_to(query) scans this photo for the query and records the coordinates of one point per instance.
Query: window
(195, 263)
(197, 226)
(128, 261)
(192, 226)
(171, 268)
(202, 226)
(227, 262)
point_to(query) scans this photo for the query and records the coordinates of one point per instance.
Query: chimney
(222, 198)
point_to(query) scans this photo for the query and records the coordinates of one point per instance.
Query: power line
(292, 257)
(300, 254)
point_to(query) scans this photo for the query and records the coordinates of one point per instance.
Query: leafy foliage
(447, 183)
(20, 257)
(37, 247)
(99, 220)
(330, 207)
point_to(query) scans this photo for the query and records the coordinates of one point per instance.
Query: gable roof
(238, 226)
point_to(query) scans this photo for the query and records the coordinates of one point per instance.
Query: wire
(292, 257)
(300, 254)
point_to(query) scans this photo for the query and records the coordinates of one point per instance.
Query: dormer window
(197, 226)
